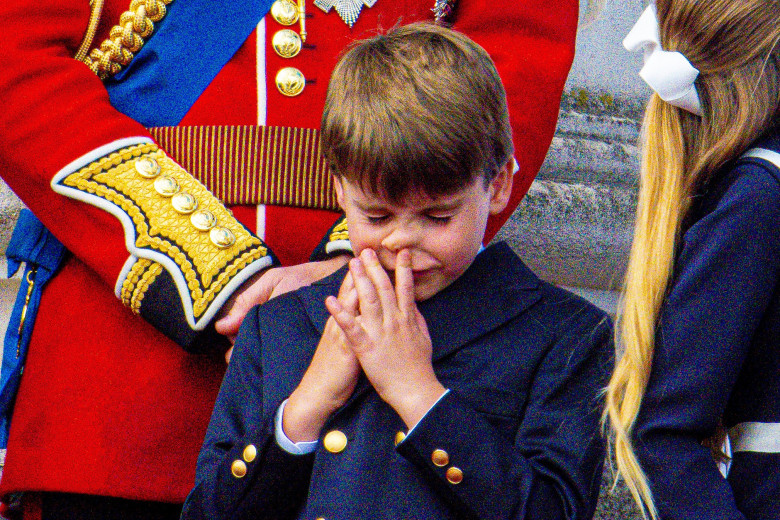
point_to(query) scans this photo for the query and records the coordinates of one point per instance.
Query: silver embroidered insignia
(348, 10)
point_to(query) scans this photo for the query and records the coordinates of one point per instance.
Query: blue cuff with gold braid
(188, 253)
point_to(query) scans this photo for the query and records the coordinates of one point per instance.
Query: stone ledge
(574, 235)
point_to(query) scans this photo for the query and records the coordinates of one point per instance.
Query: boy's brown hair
(421, 108)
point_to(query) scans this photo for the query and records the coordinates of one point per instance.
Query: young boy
(444, 381)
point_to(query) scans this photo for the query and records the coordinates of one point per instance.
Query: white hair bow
(669, 74)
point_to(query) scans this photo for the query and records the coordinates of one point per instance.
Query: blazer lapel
(495, 289)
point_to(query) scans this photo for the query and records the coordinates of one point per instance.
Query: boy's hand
(330, 379)
(389, 336)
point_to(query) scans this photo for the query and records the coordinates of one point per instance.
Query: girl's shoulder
(748, 187)
(765, 155)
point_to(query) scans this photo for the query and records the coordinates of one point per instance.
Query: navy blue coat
(718, 352)
(525, 363)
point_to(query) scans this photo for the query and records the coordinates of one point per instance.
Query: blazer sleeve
(92, 176)
(552, 468)
(242, 473)
(725, 275)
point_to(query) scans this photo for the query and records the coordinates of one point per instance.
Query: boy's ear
(339, 191)
(501, 187)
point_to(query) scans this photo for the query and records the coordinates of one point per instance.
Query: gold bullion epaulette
(183, 242)
(336, 241)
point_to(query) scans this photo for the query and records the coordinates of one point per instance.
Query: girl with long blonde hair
(700, 319)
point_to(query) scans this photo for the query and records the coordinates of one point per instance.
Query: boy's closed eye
(376, 219)
(439, 219)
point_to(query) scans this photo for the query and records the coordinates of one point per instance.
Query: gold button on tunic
(285, 12)
(250, 452)
(147, 168)
(290, 81)
(286, 43)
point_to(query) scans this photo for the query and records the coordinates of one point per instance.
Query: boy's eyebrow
(370, 206)
(434, 206)
(444, 206)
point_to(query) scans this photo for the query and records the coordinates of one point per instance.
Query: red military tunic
(108, 405)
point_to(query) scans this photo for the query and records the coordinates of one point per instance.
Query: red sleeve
(532, 44)
(56, 110)
(61, 135)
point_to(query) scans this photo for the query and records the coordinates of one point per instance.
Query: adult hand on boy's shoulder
(389, 336)
(269, 284)
(328, 382)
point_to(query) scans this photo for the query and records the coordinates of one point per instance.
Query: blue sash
(189, 47)
(34, 245)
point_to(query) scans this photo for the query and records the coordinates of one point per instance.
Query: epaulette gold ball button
(184, 203)
(399, 437)
(287, 43)
(222, 237)
(238, 469)
(203, 220)
(335, 441)
(285, 12)
(166, 186)
(147, 168)
(290, 81)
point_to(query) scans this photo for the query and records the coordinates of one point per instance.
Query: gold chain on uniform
(125, 39)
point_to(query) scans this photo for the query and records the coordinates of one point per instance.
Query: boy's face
(443, 234)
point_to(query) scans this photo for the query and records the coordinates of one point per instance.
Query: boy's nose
(401, 237)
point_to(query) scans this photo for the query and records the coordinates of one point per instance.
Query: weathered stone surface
(615, 502)
(573, 234)
(10, 205)
(584, 160)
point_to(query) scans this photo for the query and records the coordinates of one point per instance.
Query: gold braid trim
(339, 232)
(143, 273)
(96, 9)
(125, 39)
(205, 266)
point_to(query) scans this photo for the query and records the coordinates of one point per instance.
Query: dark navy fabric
(166, 76)
(42, 254)
(718, 351)
(525, 363)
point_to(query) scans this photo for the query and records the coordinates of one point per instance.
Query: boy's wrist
(304, 417)
(413, 406)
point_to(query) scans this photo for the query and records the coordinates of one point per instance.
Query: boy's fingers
(348, 323)
(348, 295)
(404, 281)
(382, 284)
(369, 303)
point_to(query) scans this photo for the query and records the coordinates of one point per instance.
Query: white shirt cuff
(295, 448)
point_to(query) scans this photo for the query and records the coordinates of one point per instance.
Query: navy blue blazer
(524, 361)
(718, 351)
